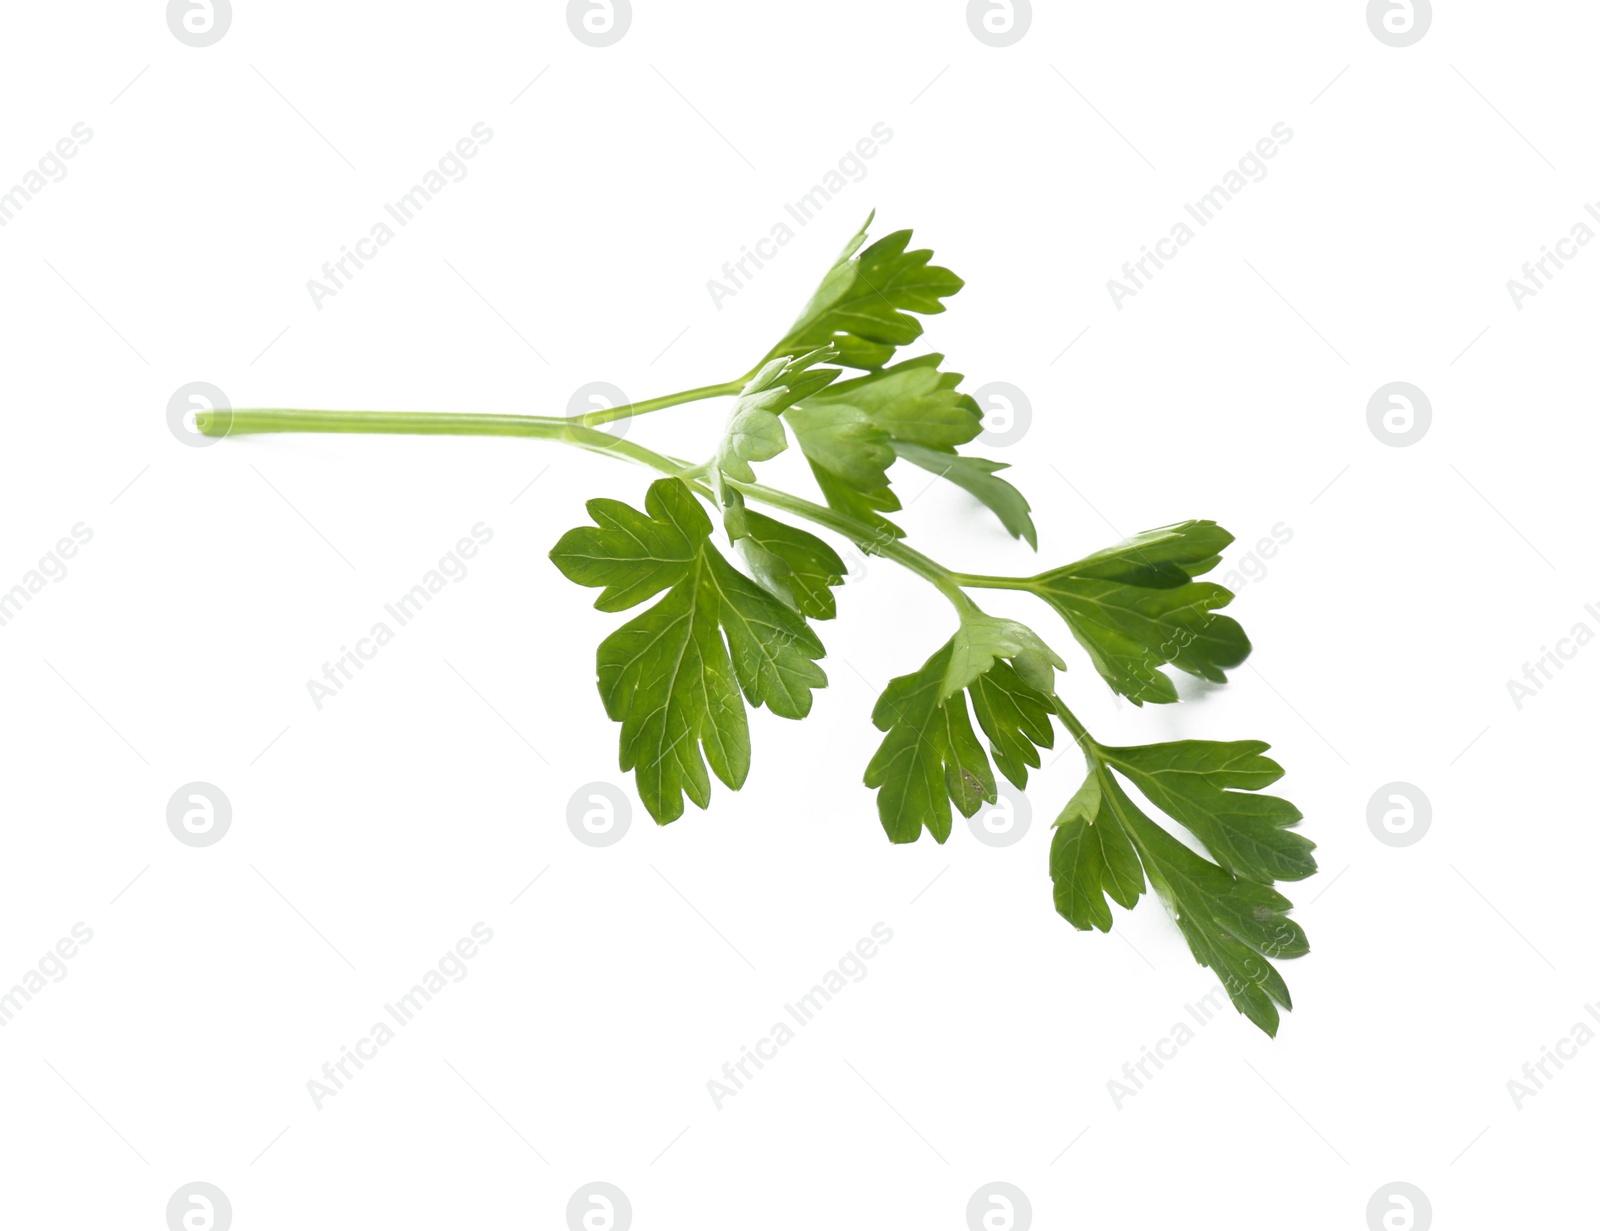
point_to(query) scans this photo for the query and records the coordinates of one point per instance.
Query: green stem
(574, 432)
(379, 422)
(596, 417)
(870, 539)
(1079, 732)
(979, 582)
(422, 423)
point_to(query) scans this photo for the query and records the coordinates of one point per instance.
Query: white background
(369, 836)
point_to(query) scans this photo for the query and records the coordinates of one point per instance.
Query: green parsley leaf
(930, 757)
(1232, 924)
(632, 555)
(977, 476)
(913, 402)
(792, 564)
(864, 302)
(673, 675)
(1092, 856)
(1208, 786)
(1135, 608)
(1230, 915)
(850, 456)
(1015, 717)
(755, 431)
(853, 431)
(982, 639)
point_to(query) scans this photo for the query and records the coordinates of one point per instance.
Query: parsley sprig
(707, 639)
